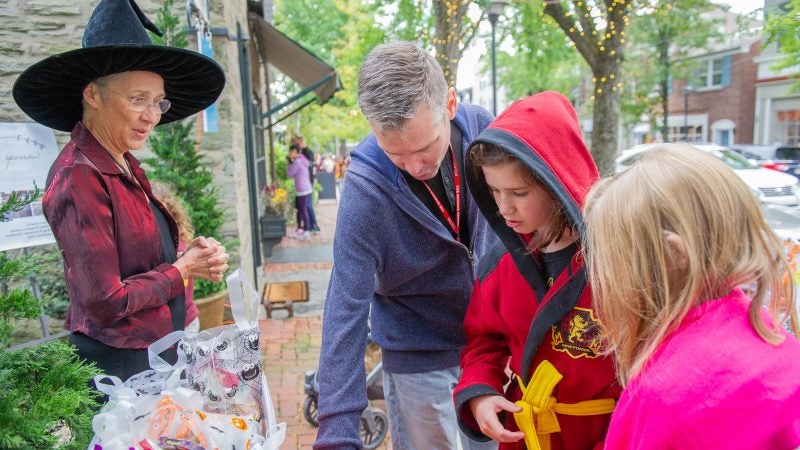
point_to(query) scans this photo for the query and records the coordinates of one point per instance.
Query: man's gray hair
(395, 79)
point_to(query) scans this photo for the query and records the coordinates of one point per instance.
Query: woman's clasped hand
(204, 258)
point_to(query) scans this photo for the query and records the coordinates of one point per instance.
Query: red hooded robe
(514, 319)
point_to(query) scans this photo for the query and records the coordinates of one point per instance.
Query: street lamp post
(688, 89)
(495, 10)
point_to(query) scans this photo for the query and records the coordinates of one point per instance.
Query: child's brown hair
(483, 154)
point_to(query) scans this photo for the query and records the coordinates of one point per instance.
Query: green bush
(43, 388)
(15, 302)
(49, 274)
(44, 391)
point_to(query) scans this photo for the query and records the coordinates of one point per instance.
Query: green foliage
(445, 26)
(542, 59)
(45, 387)
(664, 36)
(48, 268)
(783, 28)
(17, 201)
(170, 26)
(318, 25)
(15, 303)
(411, 21)
(49, 274)
(340, 32)
(178, 162)
(41, 387)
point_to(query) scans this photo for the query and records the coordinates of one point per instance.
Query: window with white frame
(788, 127)
(713, 73)
(694, 133)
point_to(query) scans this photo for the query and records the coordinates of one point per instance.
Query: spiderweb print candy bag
(223, 363)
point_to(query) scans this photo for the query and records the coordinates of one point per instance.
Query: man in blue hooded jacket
(407, 236)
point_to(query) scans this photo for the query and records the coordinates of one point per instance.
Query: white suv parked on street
(772, 186)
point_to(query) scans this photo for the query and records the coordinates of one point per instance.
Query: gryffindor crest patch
(578, 334)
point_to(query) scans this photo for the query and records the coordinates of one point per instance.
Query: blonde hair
(176, 210)
(482, 154)
(675, 230)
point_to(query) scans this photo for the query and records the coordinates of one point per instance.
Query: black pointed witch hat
(115, 40)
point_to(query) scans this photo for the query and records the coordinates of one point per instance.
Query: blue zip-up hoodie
(395, 262)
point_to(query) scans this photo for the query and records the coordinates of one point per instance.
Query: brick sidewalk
(290, 347)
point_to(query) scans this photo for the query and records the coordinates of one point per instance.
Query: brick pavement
(291, 346)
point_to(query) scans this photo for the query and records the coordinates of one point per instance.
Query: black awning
(294, 60)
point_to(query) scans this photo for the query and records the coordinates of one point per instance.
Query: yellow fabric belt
(538, 416)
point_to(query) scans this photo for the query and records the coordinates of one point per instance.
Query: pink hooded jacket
(714, 383)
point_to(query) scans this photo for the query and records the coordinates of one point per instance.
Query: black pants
(120, 362)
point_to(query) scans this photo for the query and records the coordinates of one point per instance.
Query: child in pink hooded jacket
(672, 244)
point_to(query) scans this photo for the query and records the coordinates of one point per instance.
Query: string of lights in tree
(454, 10)
(579, 22)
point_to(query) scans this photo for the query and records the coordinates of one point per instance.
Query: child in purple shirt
(298, 169)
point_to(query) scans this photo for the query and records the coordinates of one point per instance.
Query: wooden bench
(284, 295)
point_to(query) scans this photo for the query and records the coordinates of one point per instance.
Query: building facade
(717, 104)
(777, 104)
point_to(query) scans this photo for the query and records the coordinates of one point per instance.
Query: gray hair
(395, 79)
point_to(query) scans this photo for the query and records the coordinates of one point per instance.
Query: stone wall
(31, 30)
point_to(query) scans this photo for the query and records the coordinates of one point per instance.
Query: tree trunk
(664, 67)
(605, 59)
(664, 127)
(605, 123)
(449, 33)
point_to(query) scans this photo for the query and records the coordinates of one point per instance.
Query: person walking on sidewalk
(305, 151)
(298, 169)
(407, 236)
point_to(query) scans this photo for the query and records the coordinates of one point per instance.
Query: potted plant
(273, 222)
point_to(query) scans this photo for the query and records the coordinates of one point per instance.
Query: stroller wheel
(373, 428)
(310, 410)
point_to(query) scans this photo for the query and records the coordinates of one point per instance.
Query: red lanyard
(455, 227)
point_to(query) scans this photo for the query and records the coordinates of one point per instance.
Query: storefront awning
(295, 61)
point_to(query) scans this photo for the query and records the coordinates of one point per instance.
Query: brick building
(717, 105)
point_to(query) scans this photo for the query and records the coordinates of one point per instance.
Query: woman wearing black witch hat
(123, 274)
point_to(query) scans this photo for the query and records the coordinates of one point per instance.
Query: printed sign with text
(27, 150)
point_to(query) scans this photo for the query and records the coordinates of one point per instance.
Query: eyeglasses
(142, 104)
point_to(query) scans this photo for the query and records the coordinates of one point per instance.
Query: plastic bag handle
(156, 348)
(245, 312)
(109, 389)
(276, 432)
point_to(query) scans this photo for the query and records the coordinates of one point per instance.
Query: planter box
(273, 229)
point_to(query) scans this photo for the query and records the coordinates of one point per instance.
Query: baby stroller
(374, 423)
